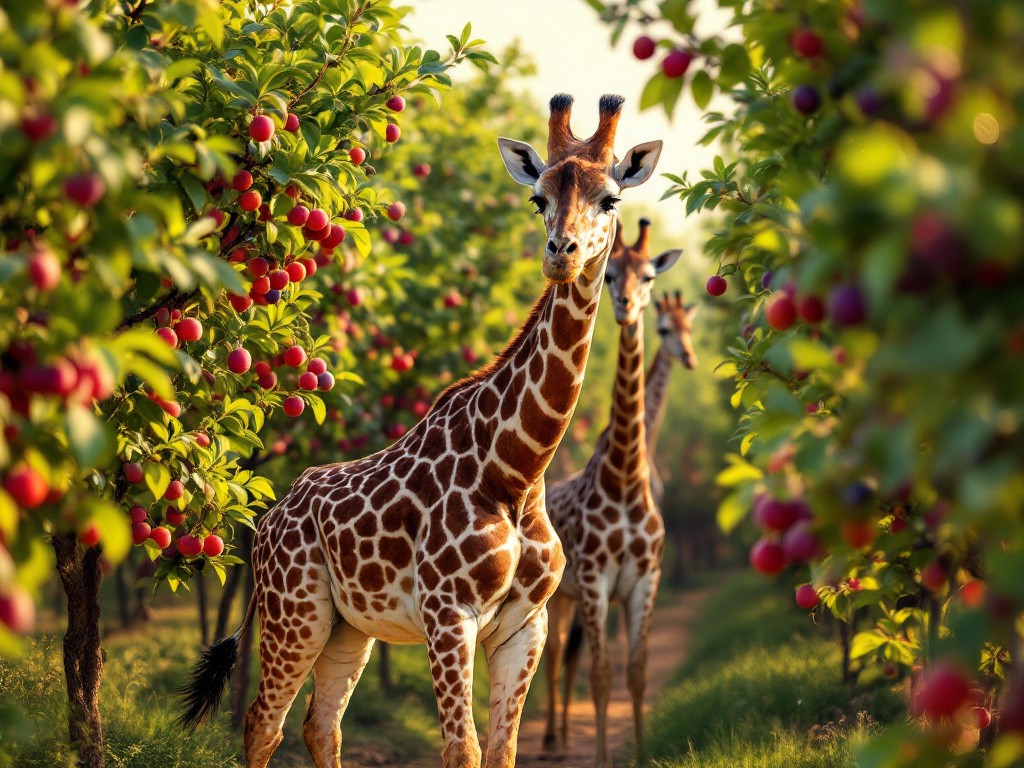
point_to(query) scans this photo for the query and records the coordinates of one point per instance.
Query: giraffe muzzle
(561, 267)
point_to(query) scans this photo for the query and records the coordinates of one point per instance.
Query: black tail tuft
(200, 696)
(574, 642)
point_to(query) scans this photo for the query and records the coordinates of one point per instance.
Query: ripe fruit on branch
(421, 169)
(308, 380)
(26, 486)
(354, 296)
(806, 99)
(811, 309)
(807, 597)
(396, 104)
(291, 123)
(934, 576)
(242, 181)
(90, 535)
(356, 214)
(138, 514)
(317, 365)
(239, 360)
(298, 215)
(676, 63)
(317, 220)
(847, 306)
(38, 126)
(140, 532)
(357, 155)
(806, 42)
(392, 133)
(189, 329)
(161, 537)
(800, 543)
(777, 515)
(261, 128)
(189, 545)
(780, 312)
(296, 272)
(279, 279)
(174, 516)
(250, 200)
(258, 266)
(44, 269)
(396, 211)
(941, 692)
(716, 285)
(767, 557)
(334, 237)
(132, 473)
(325, 381)
(86, 189)
(175, 490)
(293, 406)
(294, 356)
(213, 545)
(643, 47)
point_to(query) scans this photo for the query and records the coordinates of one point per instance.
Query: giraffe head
(577, 190)
(675, 327)
(631, 271)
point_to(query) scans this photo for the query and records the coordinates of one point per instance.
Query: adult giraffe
(675, 330)
(606, 516)
(443, 537)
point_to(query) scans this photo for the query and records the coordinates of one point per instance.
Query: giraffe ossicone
(443, 537)
(606, 517)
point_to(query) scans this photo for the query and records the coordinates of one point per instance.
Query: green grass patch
(762, 688)
(145, 664)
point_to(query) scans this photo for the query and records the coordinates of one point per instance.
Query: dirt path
(667, 650)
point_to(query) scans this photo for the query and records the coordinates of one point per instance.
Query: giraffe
(443, 537)
(675, 329)
(606, 517)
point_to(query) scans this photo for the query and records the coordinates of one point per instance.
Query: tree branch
(173, 299)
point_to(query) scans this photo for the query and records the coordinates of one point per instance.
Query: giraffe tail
(200, 696)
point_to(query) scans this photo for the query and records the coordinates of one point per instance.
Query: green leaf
(702, 88)
(89, 440)
(115, 534)
(157, 478)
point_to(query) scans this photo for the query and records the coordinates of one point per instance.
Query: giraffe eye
(609, 203)
(609, 277)
(540, 202)
(648, 278)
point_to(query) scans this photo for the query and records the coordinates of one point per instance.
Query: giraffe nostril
(551, 246)
(571, 247)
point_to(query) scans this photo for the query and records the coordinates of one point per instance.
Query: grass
(761, 688)
(144, 666)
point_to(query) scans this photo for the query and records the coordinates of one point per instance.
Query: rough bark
(79, 572)
(123, 610)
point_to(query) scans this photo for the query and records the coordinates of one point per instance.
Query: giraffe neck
(537, 382)
(655, 397)
(626, 446)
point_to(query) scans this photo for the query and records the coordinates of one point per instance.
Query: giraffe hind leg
(560, 615)
(292, 635)
(335, 672)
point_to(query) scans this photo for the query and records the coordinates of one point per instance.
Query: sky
(572, 51)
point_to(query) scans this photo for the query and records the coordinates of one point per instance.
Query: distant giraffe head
(675, 326)
(577, 190)
(631, 272)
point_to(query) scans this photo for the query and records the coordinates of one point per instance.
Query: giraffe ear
(665, 260)
(521, 160)
(691, 311)
(638, 164)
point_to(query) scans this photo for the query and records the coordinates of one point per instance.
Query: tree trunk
(845, 632)
(204, 629)
(386, 681)
(122, 594)
(79, 572)
(227, 600)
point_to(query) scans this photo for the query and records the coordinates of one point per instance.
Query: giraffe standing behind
(443, 537)
(606, 517)
(675, 330)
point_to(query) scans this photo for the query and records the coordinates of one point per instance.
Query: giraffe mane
(504, 356)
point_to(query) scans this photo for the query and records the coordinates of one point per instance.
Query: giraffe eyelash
(540, 202)
(609, 203)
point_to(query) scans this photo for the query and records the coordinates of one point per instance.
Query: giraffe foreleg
(639, 607)
(336, 672)
(451, 645)
(511, 666)
(561, 609)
